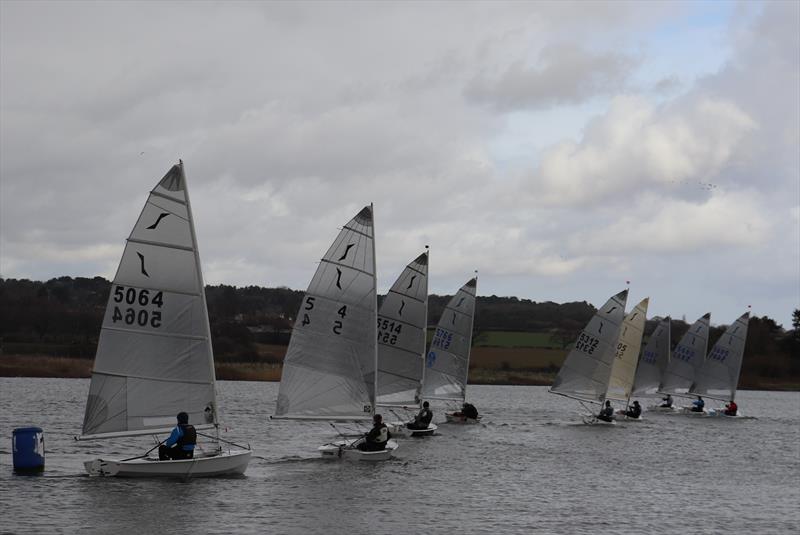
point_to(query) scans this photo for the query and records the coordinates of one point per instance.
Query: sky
(559, 148)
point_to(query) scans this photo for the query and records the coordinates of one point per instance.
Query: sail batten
(154, 356)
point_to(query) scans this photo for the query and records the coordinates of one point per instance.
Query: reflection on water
(529, 466)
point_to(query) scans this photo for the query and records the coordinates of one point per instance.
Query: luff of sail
(718, 377)
(402, 319)
(653, 360)
(447, 361)
(626, 355)
(329, 368)
(686, 359)
(154, 356)
(587, 368)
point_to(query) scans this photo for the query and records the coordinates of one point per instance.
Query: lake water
(529, 467)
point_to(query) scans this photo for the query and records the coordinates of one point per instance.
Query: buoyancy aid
(188, 437)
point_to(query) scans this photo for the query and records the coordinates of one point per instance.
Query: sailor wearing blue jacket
(181, 442)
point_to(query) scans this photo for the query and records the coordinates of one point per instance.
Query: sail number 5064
(137, 298)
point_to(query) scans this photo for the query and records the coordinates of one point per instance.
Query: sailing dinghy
(686, 359)
(447, 361)
(623, 371)
(652, 363)
(586, 371)
(329, 372)
(718, 377)
(154, 357)
(402, 325)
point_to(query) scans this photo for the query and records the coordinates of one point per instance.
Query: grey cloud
(564, 74)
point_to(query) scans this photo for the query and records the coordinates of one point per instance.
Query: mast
(471, 334)
(374, 315)
(203, 302)
(424, 330)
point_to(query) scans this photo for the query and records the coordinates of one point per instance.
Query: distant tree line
(63, 316)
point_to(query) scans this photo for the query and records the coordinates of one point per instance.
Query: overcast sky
(558, 148)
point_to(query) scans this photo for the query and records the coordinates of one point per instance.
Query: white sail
(154, 356)
(629, 343)
(653, 361)
(718, 377)
(686, 359)
(447, 361)
(587, 368)
(402, 325)
(329, 368)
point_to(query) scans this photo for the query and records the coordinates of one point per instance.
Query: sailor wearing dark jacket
(377, 437)
(422, 419)
(181, 442)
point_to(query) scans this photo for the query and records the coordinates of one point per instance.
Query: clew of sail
(626, 355)
(402, 319)
(718, 377)
(653, 361)
(329, 368)
(587, 368)
(154, 356)
(447, 361)
(686, 359)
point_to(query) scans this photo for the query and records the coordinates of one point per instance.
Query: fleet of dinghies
(347, 357)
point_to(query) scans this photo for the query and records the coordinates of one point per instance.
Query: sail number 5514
(133, 314)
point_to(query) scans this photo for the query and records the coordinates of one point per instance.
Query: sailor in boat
(698, 404)
(468, 410)
(181, 442)
(377, 437)
(606, 413)
(667, 402)
(422, 419)
(731, 409)
(634, 411)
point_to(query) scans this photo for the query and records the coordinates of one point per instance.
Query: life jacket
(188, 436)
(379, 435)
(426, 416)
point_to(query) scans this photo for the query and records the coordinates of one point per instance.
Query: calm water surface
(529, 467)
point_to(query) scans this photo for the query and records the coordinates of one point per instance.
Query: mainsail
(586, 370)
(329, 368)
(718, 377)
(154, 356)
(653, 360)
(402, 326)
(687, 357)
(447, 362)
(627, 353)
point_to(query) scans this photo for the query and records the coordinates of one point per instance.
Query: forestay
(154, 356)
(687, 358)
(626, 355)
(587, 368)
(447, 361)
(718, 377)
(329, 368)
(653, 361)
(402, 323)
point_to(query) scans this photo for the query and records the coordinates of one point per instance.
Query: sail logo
(431, 359)
(649, 357)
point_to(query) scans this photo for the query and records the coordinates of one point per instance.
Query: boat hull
(453, 418)
(222, 464)
(344, 449)
(592, 420)
(400, 429)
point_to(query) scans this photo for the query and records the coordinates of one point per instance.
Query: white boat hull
(344, 449)
(222, 464)
(400, 429)
(453, 418)
(665, 410)
(592, 420)
(687, 411)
